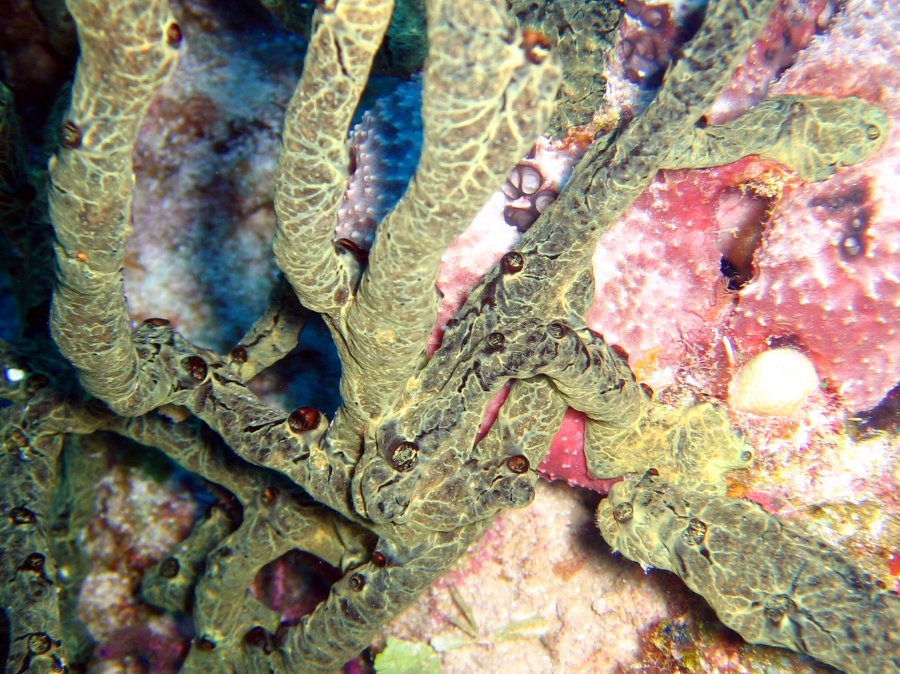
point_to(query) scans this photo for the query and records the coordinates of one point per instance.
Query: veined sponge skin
(779, 586)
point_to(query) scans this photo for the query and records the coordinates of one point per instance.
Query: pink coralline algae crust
(660, 291)
(825, 276)
(840, 307)
(789, 30)
(828, 270)
(664, 299)
(824, 267)
(565, 457)
(823, 279)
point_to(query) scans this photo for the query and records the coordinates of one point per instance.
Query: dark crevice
(740, 236)
(884, 417)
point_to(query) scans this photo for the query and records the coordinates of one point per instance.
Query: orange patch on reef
(646, 365)
(566, 569)
(894, 563)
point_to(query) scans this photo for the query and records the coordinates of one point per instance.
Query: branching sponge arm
(608, 180)
(128, 49)
(770, 582)
(314, 161)
(488, 92)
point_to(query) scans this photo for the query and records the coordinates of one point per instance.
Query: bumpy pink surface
(660, 291)
(657, 269)
(565, 458)
(844, 312)
(790, 29)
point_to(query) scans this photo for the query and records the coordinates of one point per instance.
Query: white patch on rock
(773, 383)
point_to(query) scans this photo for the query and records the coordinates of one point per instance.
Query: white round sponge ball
(773, 383)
